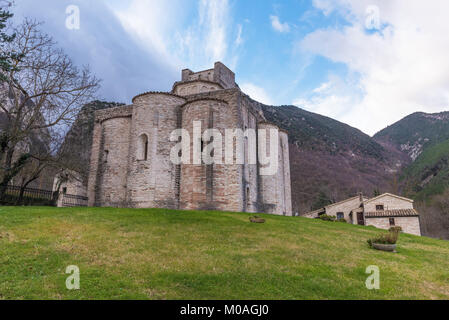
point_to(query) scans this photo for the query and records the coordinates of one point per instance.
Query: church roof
(157, 92)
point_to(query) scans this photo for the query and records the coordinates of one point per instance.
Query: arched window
(142, 147)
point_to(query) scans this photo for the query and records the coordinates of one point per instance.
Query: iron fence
(71, 200)
(15, 195)
(29, 192)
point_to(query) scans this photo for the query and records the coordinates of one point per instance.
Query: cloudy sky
(367, 63)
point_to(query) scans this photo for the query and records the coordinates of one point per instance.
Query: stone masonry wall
(275, 190)
(389, 202)
(346, 208)
(408, 224)
(152, 182)
(285, 182)
(96, 169)
(214, 186)
(250, 182)
(224, 76)
(94, 180)
(113, 161)
(130, 159)
(195, 87)
(189, 75)
(271, 190)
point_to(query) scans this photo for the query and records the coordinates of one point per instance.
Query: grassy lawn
(164, 254)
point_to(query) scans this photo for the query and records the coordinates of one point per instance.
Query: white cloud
(239, 40)
(333, 98)
(150, 23)
(257, 93)
(214, 17)
(125, 65)
(402, 68)
(278, 26)
(322, 88)
(331, 105)
(195, 43)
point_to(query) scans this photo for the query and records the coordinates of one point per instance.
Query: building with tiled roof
(384, 211)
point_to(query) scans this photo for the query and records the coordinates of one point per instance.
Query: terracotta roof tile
(392, 213)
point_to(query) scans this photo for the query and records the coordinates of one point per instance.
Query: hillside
(428, 175)
(413, 134)
(427, 181)
(78, 141)
(330, 158)
(424, 138)
(311, 131)
(163, 254)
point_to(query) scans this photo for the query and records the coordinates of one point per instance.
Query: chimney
(361, 197)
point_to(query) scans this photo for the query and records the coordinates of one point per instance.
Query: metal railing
(33, 196)
(30, 192)
(71, 200)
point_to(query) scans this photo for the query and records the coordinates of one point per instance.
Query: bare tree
(43, 92)
(44, 159)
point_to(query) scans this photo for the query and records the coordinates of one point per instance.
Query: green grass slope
(163, 254)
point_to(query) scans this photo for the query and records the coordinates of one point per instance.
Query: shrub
(325, 217)
(341, 220)
(395, 229)
(256, 219)
(390, 238)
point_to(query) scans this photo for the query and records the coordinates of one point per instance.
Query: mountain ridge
(331, 158)
(415, 132)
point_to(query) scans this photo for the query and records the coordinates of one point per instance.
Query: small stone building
(69, 182)
(131, 166)
(70, 188)
(384, 211)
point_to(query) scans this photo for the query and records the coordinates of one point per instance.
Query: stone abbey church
(130, 162)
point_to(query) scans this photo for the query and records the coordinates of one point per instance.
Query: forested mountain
(416, 132)
(425, 139)
(78, 141)
(332, 160)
